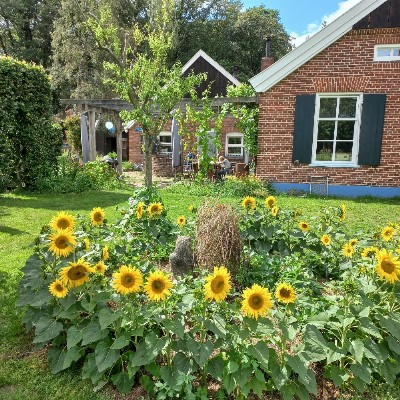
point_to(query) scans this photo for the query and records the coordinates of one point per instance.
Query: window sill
(334, 165)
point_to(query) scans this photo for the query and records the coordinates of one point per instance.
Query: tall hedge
(29, 143)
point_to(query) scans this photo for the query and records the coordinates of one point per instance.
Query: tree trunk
(148, 172)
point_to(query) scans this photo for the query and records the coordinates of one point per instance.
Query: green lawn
(23, 370)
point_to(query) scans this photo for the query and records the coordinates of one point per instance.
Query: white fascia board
(220, 68)
(314, 45)
(129, 124)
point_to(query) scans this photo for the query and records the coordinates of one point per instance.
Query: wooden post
(119, 143)
(92, 135)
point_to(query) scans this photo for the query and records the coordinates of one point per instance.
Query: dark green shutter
(373, 112)
(303, 128)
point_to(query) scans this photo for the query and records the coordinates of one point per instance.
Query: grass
(23, 369)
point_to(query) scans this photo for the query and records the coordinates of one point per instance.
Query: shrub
(72, 125)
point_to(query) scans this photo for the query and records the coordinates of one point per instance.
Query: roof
(211, 61)
(313, 46)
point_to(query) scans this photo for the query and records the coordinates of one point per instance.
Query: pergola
(115, 106)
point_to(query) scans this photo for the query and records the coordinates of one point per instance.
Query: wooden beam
(119, 128)
(92, 135)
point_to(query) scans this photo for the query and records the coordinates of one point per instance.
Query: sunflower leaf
(55, 358)
(73, 354)
(215, 367)
(105, 356)
(47, 329)
(123, 382)
(93, 333)
(74, 336)
(260, 352)
(216, 326)
(107, 317)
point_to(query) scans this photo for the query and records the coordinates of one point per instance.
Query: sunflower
(62, 220)
(388, 266)
(154, 209)
(100, 268)
(62, 243)
(86, 241)
(270, 201)
(181, 220)
(353, 242)
(127, 280)
(191, 208)
(342, 212)
(157, 286)
(76, 274)
(217, 284)
(285, 293)
(139, 210)
(57, 289)
(105, 254)
(274, 211)
(347, 250)
(249, 202)
(369, 251)
(326, 240)
(387, 233)
(256, 301)
(304, 226)
(97, 216)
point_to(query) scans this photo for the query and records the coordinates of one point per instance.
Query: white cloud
(314, 27)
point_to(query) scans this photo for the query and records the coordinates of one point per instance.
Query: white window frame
(164, 144)
(356, 138)
(390, 47)
(241, 145)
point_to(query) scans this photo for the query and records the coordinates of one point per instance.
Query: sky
(303, 18)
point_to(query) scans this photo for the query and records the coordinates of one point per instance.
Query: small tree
(139, 73)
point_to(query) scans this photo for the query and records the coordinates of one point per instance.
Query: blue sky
(302, 18)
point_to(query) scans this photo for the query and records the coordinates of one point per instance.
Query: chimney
(267, 61)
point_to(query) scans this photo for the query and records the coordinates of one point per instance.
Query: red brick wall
(345, 66)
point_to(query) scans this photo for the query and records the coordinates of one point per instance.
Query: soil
(136, 179)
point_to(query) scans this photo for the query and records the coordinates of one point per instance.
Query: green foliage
(28, 136)
(72, 125)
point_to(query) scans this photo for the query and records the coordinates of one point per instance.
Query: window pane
(326, 130)
(324, 151)
(396, 52)
(165, 139)
(345, 130)
(383, 52)
(327, 107)
(234, 140)
(165, 149)
(234, 151)
(343, 151)
(347, 107)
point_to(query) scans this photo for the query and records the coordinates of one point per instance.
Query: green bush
(72, 125)
(29, 141)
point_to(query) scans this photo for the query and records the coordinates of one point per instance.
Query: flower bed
(305, 298)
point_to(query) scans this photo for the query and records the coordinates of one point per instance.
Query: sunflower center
(76, 273)
(63, 223)
(59, 288)
(128, 280)
(388, 266)
(256, 301)
(218, 284)
(158, 286)
(285, 293)
(61, 242)
(97, 217)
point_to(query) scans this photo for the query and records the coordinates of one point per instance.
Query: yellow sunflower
(57, 289)
(326, 240)
(342, 212)
(388, 267)
(100, 268)
(86, 241)
(127, 280)
(304, 226)
(274, 211)
(97, 216)
(387, 233)
(353, 242)
(369, 252)
(257, 301)
(139, 210)
(76, 274)
(347, 250)
(105, 254)
(285, 293)
(217, 284)
(270, 201)
(62, 242)
(155, 209)
(157, 286)
(249, 202)
(62, 220)
(191, 208)
(181, 220)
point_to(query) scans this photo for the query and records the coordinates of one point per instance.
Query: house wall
(345, 66)
(162, 165)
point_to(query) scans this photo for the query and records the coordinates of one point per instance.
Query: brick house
(231, 140)
(330, 108)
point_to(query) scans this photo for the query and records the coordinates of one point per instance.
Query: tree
(139, 73)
